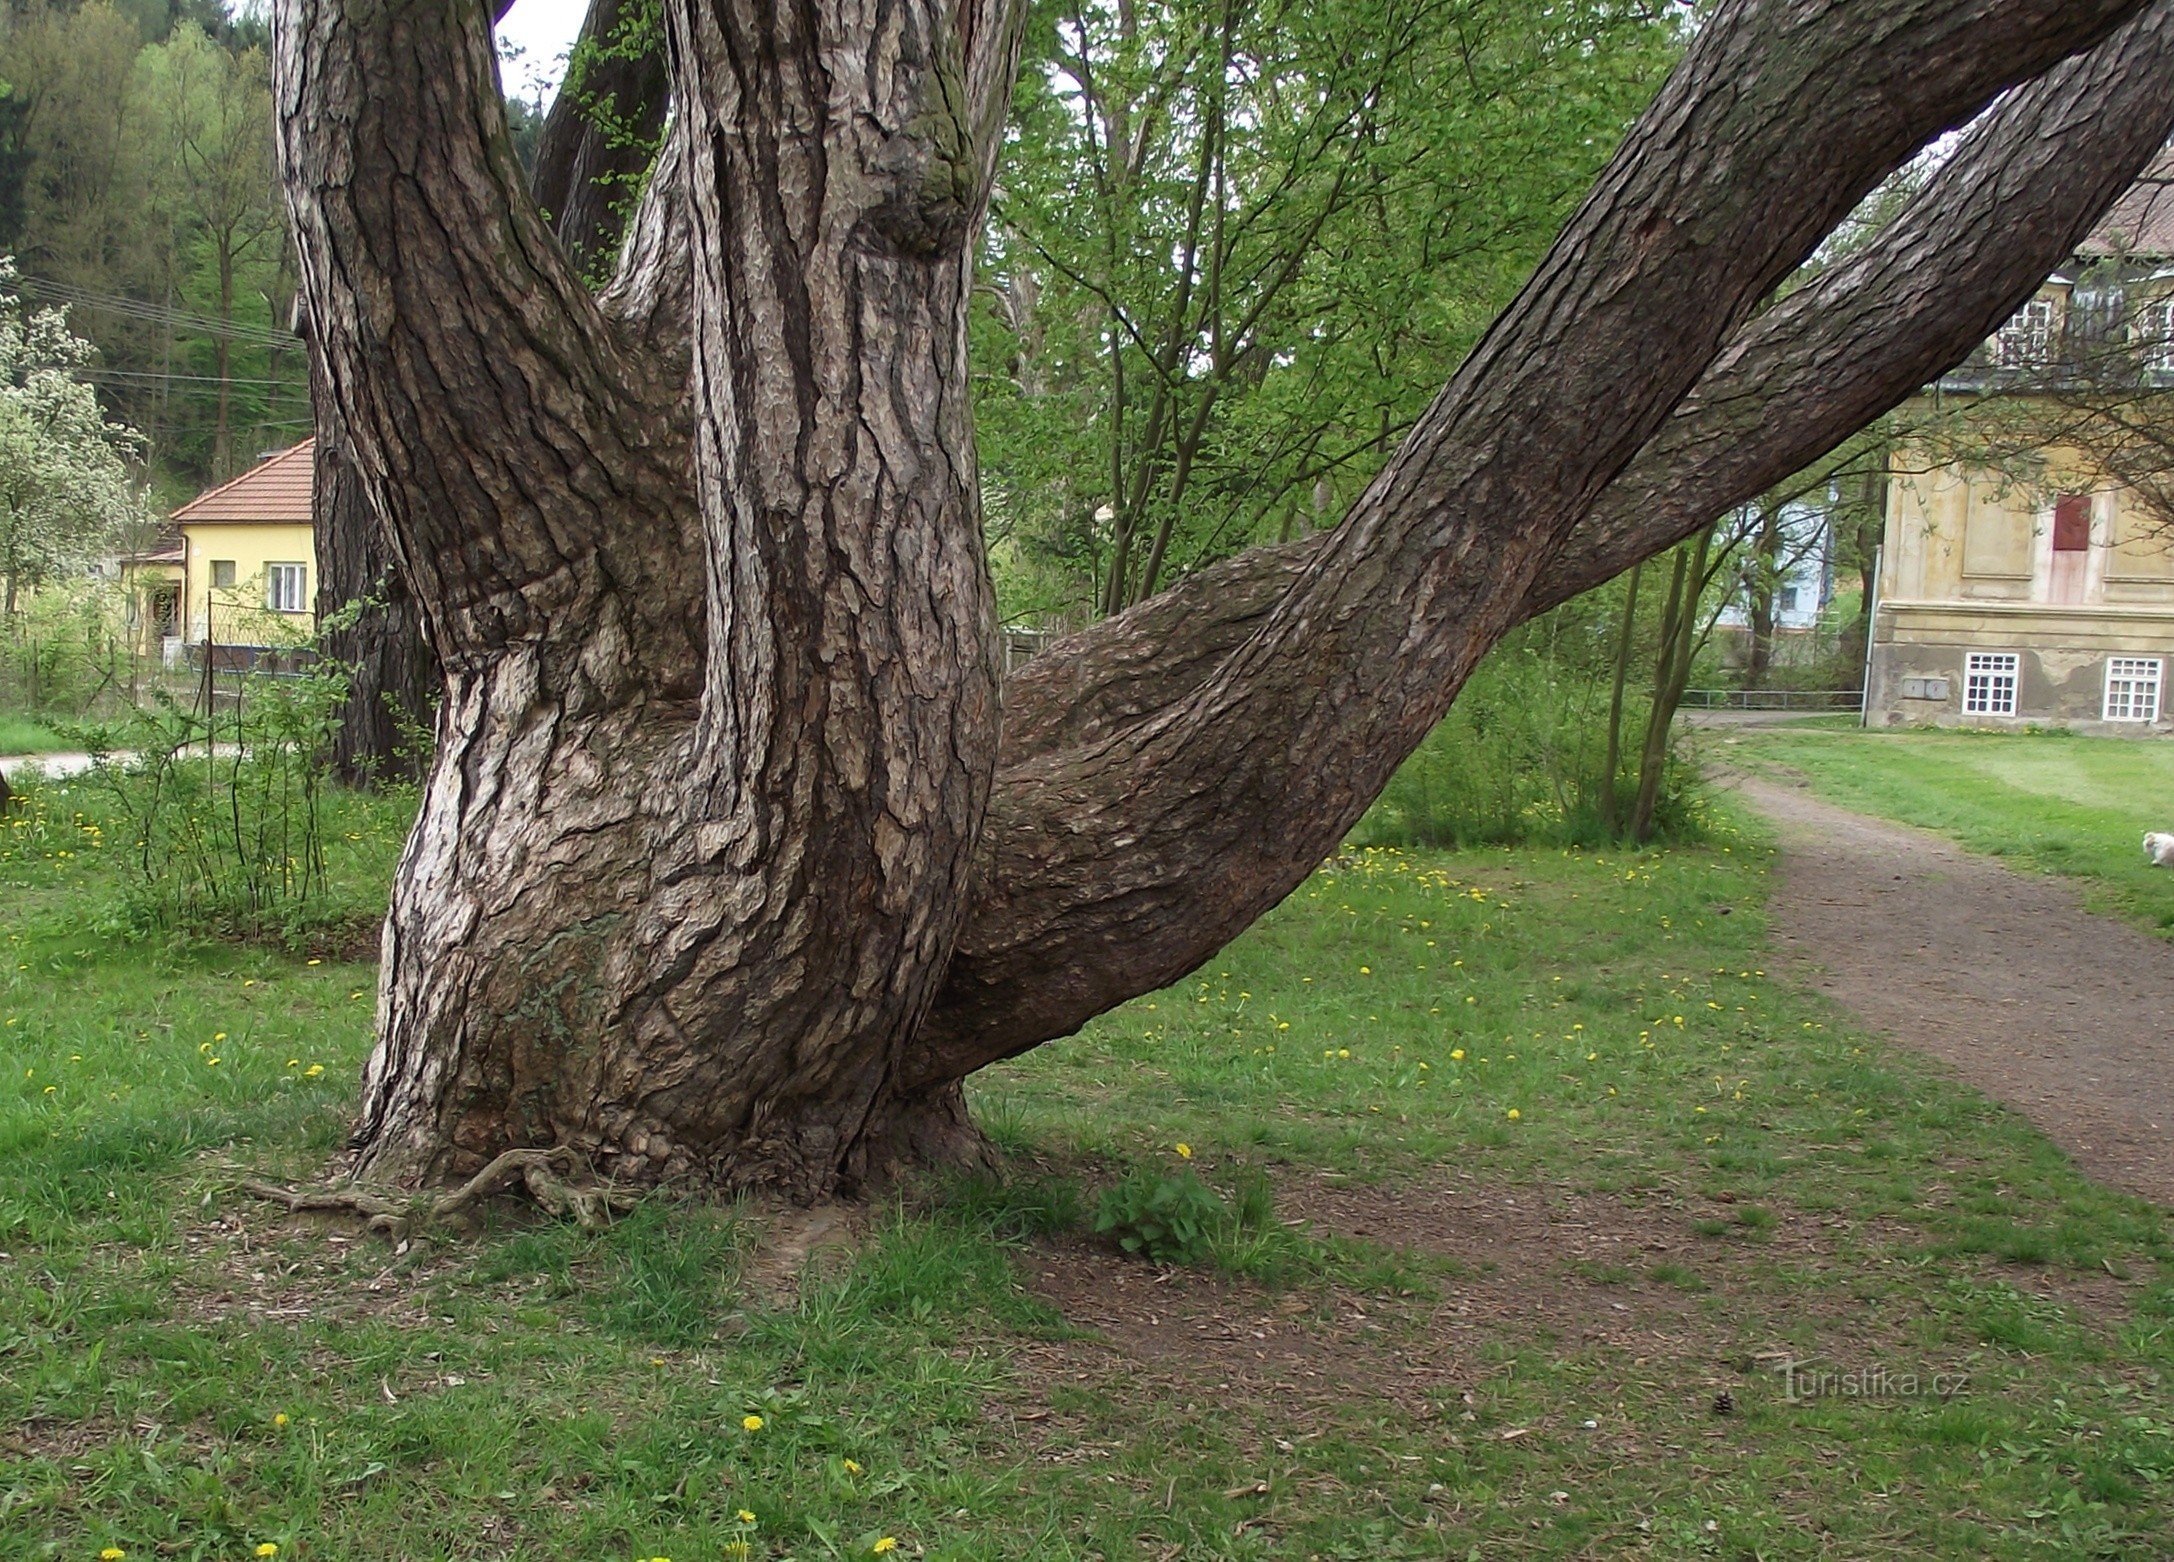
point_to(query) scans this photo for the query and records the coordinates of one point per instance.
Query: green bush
(1164, 1217)
(1519, 760)
(222, 809)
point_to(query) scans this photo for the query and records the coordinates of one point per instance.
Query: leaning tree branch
(1122, 863)
(502, 429)
(1800, 379)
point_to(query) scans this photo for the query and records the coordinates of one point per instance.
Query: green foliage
(220, 802)
(1521, 758)
(66, 495)
(197, 1375)
(148, 206)
(1236, 249)
(65, 652)
(1164, 1217)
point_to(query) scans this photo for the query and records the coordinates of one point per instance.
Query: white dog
(2159, 847)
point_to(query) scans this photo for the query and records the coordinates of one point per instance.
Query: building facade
(2041, 593)
(2001, 605)
(248, 560)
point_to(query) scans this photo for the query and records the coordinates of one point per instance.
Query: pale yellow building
(2005, 605)
(2045, 597)
(248, 557)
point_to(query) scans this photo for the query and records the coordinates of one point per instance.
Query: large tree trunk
(1063, 930)
(393, 688)
(719, 729)
(720, 733)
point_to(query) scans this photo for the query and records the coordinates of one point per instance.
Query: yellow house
(249, 559)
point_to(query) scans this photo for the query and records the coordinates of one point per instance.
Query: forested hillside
(136, 188)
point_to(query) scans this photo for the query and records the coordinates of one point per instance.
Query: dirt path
(2065, 1016)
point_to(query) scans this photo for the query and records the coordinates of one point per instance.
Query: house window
(286, 587)
(222, 572)
(2026, 341)
(2151, 333)
(1788, 599)
(1989, 681)
(2132, 688)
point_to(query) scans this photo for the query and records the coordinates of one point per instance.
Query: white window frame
(2026, 340)
(1992, 683)
(286, 588)
(2133, 685)
(2151, 333)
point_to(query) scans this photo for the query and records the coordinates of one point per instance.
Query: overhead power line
(157, 314)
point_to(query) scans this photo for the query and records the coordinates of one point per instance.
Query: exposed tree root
(397, 1217)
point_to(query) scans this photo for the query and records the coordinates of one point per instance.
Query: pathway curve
(2062, 1014)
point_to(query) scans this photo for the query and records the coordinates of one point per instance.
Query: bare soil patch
(2064, 1015)
(1624, 1280)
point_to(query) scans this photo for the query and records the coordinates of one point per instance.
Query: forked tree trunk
(701, 884)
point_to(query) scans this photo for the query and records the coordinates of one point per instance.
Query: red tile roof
(276, 489)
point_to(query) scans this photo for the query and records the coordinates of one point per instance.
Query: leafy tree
(1235, 248)
(65, 493)
(210, 111)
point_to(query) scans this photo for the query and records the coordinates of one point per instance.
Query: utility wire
(157, 314)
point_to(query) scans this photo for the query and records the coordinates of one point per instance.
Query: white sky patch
(533, 42)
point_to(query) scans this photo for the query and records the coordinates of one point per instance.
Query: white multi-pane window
(2151, 333)
(2027, 339)
(2132, 688)
(286, 587)
(1989, 683)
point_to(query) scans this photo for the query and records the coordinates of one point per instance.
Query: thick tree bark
(719, 727)
(1828, 359)
(394, 683)
(699, 842)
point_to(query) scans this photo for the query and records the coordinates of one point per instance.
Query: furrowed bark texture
(1794, 383)
(702, 562)
(395, 678)
(1119, 860)
(720, 721)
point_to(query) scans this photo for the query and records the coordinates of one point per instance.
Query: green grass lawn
(2053, 801)
(1570, 1166)
(25, 735)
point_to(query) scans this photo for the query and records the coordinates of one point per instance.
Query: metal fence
(1774, 699)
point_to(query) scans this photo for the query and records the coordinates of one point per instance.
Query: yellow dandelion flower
(267, 1549)
(218, 1035)
(111, 1554)
(751, 1423)
(744, 1516)
(887, 1543)
(1513, 1114)
(852, 1466)
(313, 1071)
(1456, 1054)
(1185, 1151)
(280, 1420)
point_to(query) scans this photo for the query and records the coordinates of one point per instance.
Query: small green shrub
(1167, 1218)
